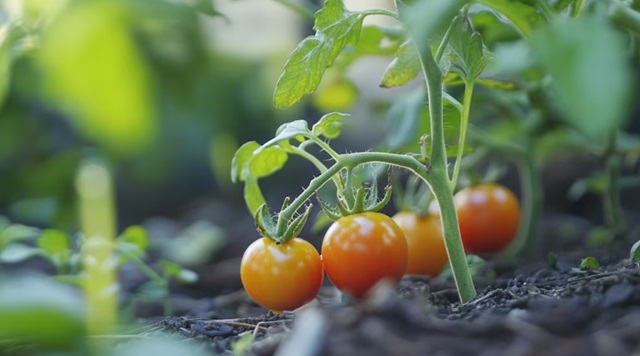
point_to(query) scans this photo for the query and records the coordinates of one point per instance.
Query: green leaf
(524, 17)
(253, 195)
(242, 346)
(18, 252)
(297, 129)
(589, 263)
(404, 68)
(589, 64)
(55, 243)
(428, 19)
(136, 236)
(338, 95)
(267, 161)
(403, 119)
(16, 232)
(634, 253)
(336, 27)
(94, 70)
(373, 41)
(469, 56)
(174, 270)
(329, 125)
(241, 159)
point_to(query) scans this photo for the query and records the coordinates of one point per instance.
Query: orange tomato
(281, 276)
(488, 215)
(427, 251)
(362, 249)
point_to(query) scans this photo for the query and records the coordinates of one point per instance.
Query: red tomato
(427, 252)
(281, 276)
(360, 250)
(488, 215)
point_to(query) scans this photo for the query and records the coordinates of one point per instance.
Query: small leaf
(54, 241)
(468, 51)
(589, 263)
(170, 269)
(253, 195)
(241, 159)
(18, 252)
(295, 129)
(17, 232)
(137, 236)
(336, 27)
(329, 125)
(427, 20)
(523, 16)
(187, 276)
(634, 253)
(404, 68)
(589, 64)
(242, 346)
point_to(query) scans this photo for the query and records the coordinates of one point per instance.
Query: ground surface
(539, 309)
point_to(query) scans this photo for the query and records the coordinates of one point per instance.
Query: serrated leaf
(524, 17)
(404, 68)
(336, 27)
(241, 159)
(468, 51)
(589, 64)
(589, 263)
(329, 125)
(54, 242)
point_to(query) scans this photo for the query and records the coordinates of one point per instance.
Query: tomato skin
(361, 249)
(427, 251)
(281, 276)
(488, 215)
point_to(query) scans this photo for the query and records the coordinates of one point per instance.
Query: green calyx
(354, 200)
(267, 224)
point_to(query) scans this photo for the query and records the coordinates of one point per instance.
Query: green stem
(440, 178)
(316, 162)
(613, 211)
(379, 12)
(625, 17)
(318, 141)
(464, 122)
(546, 10)
(305, 11)
(154, 276)
(447, 37)
(577, 8)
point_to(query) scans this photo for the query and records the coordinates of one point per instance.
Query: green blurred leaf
(634, 253)
(41, 313)
(403, 119)
(589, 263)
(174, 270)
(253, 195)
(54, 242)
(468, 51)
(329, 125)
(160, 344)
(16, 232)
(242, 346)
(338, 95)
(404, 68)
(428, 19)
(588, 62)
(5, 60)
(136, 236)
(524, 17)
(374, 40)
(93, 70)
(18, 252)
(152, 290)
(336, 27)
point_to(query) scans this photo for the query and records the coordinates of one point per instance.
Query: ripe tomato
(427, 252)
(281, 276)
(361, 249)
(488, 215)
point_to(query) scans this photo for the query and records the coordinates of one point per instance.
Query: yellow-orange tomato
(281, 276)
(427, 252)
(362, 249)
(488, 215)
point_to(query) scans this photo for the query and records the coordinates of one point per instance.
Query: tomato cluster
(360, 250)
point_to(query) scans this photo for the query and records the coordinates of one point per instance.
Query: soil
(541, 308)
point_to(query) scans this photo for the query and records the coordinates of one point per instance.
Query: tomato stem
(464, 123)
(439, 178)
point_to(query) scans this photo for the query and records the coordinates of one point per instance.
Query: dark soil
(534, 310)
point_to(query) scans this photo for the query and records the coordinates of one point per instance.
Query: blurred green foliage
(138, 82)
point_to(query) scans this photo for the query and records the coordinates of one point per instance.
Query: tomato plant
(427, 251)
(489, 216)
(281, 276)
(362, 249)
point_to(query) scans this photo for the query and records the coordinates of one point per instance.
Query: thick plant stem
(439, 181)
(464, 123)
